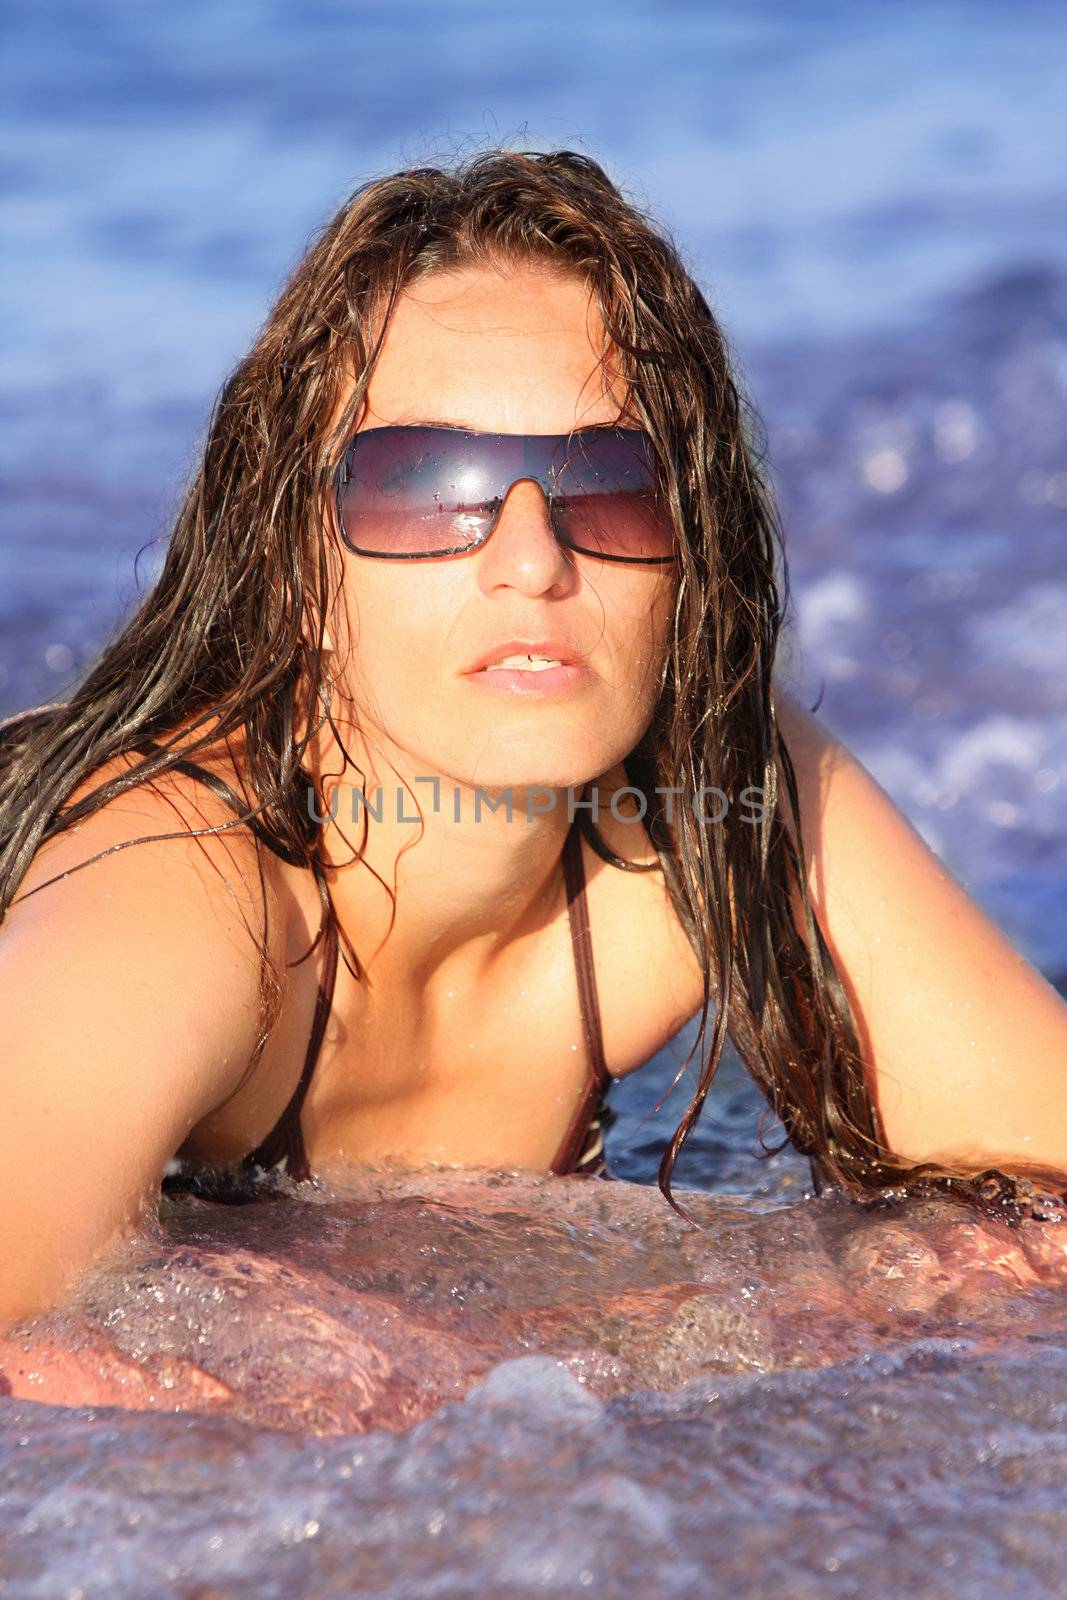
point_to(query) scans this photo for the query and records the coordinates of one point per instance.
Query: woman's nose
(523, 549)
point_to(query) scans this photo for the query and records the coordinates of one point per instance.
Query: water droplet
(886, 471)
(59, 658)
(955, 430)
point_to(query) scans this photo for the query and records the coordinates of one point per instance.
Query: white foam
(541, 1382)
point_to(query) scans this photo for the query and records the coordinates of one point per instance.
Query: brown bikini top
(582, 1149)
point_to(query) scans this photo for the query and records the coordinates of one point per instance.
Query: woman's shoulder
(132, 997)
(172, 832)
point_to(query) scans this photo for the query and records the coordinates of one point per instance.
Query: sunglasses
(412, 492)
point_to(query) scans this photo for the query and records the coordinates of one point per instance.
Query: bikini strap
(192, 769)
(581, 940)
(286, 1138)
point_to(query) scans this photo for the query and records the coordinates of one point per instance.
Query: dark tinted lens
(420, 491)
(411, 491)
(607, 499)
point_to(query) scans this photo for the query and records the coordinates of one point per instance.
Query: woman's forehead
(510, 352)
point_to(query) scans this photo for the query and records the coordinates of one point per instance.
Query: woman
(479, 533)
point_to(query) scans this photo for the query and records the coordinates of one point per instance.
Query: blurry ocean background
(874, 198)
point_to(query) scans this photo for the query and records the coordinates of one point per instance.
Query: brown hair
(232, 629)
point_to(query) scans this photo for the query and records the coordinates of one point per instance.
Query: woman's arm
(966, 1041)
(129, 995)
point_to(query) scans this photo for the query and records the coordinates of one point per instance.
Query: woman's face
(500, 353)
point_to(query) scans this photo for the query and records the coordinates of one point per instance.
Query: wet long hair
(230, 637)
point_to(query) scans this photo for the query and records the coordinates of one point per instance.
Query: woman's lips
(521, 680)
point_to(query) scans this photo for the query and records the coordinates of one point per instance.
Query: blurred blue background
(872, 195)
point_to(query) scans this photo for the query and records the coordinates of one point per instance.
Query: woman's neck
(473, 870)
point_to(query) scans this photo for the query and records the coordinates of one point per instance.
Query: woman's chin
(537, 793)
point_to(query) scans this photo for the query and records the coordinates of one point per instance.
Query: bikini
(581, 1153)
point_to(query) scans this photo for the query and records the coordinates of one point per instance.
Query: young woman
(479, 539)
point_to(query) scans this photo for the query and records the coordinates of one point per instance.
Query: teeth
(527, 663)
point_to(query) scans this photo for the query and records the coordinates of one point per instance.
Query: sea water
(483, 1383)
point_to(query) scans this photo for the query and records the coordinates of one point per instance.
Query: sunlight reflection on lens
(467, 527)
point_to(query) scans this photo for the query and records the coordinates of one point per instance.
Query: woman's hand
(966, 1041)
